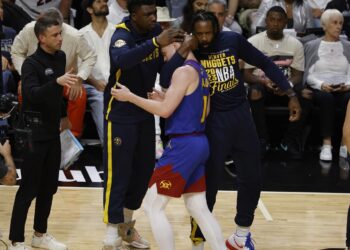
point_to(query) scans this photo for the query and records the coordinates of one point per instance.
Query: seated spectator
(317, 8)
(117, 11)
(247, 14)
(191, 7)
(298, 13)
(230, 21)
(14, 16)
(75, 46)
(219, 9)
(327, 72)
(35, 7)
(98, 35)
(344, 7)
(288, 54)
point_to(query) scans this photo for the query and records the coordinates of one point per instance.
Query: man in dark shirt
(230, 126)
(43, 78)
(129, 155)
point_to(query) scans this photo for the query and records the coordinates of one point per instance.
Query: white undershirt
(332, 66)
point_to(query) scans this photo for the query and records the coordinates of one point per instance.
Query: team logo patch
(119, 43)
(165, 184)
(117, 141)
(48, 72)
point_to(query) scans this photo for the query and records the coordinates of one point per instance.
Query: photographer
(43, 77)
(7, 166)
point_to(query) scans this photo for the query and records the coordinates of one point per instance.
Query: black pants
(233, 133)
(294, 130)
(39, 170)
(327, 102)
(128, 160)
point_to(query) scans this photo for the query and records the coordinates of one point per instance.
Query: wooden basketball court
(283, 220)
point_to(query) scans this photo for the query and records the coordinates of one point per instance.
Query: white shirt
(286, 53)
(74, 45)
(116, 13)
(318, 4)
(332, 66)
(101, 45)
(35, 7)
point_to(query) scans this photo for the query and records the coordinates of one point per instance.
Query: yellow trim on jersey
(122, 26)
(154, 40)
(117, 77)
(196, 240)
(110, 172)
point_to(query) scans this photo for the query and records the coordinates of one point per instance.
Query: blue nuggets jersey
(190, 115)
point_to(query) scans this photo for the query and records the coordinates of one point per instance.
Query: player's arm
(173, 96)
(125, 54)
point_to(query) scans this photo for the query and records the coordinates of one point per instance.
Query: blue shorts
(181, 169)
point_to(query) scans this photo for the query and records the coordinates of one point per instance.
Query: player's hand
(294, 109)
(169, 36)
(68, 79)
(65, 124)
(156, 95)
(121, 93)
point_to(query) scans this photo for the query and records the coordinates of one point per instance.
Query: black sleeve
(34, 91)
(169, 68)
(3, 169)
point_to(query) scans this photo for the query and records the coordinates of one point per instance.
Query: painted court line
(264, 211)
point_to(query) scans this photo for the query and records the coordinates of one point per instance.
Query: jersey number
(205, 108)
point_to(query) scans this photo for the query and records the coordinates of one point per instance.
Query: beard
(102, 12)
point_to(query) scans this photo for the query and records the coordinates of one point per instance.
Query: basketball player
(180, 170)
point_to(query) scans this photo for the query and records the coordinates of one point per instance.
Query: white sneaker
(159, 147)
(115, 245)
(47, 241)
(19, 246)
(343, 151)
(326, 153)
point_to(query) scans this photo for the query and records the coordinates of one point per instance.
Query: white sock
(128, 213)
(199, 246)
(242, 231)
(111, 234)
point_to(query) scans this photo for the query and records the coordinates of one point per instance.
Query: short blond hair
(328, 14)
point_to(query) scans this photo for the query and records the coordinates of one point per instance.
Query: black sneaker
(292, 149)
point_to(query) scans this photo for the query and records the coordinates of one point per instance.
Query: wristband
(154, 40)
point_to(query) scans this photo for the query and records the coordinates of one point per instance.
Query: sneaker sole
(230, 247)
(139, 245)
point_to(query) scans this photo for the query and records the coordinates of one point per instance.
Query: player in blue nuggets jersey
(180, 170)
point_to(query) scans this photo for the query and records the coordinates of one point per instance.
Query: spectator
(317, 8)
(7, 165)
(298, 13)
(327, 72)
(288, 54)
(75, 46)
(35, 7)
(230, 21)
(219, 9)
(14, 16)
(191, 7)
(117, 11)
(175, 7)
(344, 7)
(98, 35)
